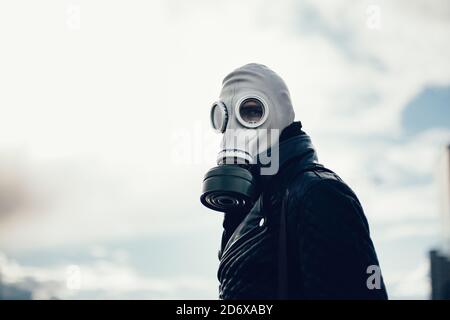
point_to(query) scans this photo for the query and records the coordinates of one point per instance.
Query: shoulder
(315, 181)
(325, 195)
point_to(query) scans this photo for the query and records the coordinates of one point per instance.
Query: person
(293, 229)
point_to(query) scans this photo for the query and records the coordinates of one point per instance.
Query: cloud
(412, 229)
(97, 154)
(431, 107)
(414, 284)
(101, 278)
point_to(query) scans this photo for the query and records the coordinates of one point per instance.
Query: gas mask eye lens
(219, 116)
(251, 112)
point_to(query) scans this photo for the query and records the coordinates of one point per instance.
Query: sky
(105, 137)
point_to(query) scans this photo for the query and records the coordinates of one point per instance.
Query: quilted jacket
(305, 238)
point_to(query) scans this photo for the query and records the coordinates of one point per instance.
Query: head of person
(253, 108)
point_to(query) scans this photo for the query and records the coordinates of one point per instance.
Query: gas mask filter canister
(231, 185)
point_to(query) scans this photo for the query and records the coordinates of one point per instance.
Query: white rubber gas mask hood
(253, 108)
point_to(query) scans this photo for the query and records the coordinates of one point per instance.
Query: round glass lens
(251, 110)
(218, 117)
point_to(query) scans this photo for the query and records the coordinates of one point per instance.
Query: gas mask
(253, 108)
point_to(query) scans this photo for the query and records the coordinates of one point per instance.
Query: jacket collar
(295, 147)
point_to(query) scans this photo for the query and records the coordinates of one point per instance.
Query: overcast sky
(105, 138)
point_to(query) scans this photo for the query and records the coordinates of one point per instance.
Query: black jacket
(305, 238)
